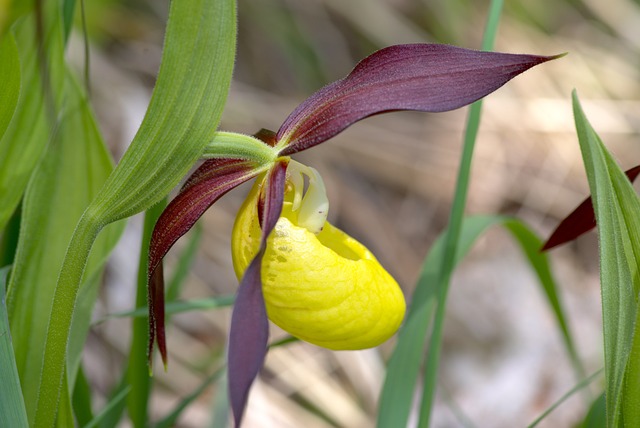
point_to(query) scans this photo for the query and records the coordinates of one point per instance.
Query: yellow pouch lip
(327, 289)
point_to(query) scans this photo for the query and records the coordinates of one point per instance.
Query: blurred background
(390, 181)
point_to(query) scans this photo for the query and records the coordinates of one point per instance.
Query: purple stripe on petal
(249, 324)
(580, 221)
(424, 77)
(206, 185)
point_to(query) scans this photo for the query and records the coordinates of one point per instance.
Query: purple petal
(249, 325)
(580, 221)
(206, 185)
(424, 77)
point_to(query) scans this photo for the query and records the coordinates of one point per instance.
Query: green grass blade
(114, 402)
(12, 409)
(616, 206)
(582, 384)
(73, 170)
(171, 419)
(81, 399)
(403, 369)
(182, 118)
(137, 373)
(220, 409)
(530, 244)
(112, 417)
(176, 307)
(454, 228)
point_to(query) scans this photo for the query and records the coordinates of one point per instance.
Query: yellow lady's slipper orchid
(324, 288)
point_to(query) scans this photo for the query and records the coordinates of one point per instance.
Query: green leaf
(403, 370)
(10, 89)
(12, 410)
(28, 132)
(74, 168)
(616, 207)
(596, 417)
(183, 264)
(113, 403)
(82, 399)
(182, 118)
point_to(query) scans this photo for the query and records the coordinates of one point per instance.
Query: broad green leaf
(28, 132)
(10, 72)
(137, 372)
(404, 367)
(75, 166)
(182, 118)
(616, 206)
(12, 410)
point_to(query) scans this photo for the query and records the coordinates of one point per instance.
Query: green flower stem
(64, 301)
(240, 146)
(455, 225)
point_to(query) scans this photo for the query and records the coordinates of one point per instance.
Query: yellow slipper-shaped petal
(326, 289)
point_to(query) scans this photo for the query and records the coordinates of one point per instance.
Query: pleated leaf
(616, 208)
(74, 167)
(182, 117)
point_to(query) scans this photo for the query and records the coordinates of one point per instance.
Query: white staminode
(313, 206)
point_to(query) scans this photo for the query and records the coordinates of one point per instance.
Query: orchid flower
(308, 277)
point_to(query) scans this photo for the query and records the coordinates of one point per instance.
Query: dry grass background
(390, 181)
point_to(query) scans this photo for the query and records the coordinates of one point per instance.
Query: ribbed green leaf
(616, 206)
(182, 118)
(28, 132)
(10, 89)
(12, 410)
(404, 367)
(75, 166)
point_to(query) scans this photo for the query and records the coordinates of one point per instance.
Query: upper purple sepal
(424, 77)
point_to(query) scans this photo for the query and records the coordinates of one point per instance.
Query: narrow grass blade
(182, 117)
(616, 206)
(113, 416)
(175, 308)
(82, 399)
(12, 409)
(137, 373)
(404, 367)
(171, 419)
(454, 227)
(582, 384)
(221, 405)
(115, 401)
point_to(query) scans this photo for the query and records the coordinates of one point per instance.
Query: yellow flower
(324, 288)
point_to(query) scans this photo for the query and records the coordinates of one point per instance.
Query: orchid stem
(454, 228)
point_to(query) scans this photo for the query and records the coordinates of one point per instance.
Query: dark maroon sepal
(206, 185)
(249, 330)
(580, 221)
(424, 77)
